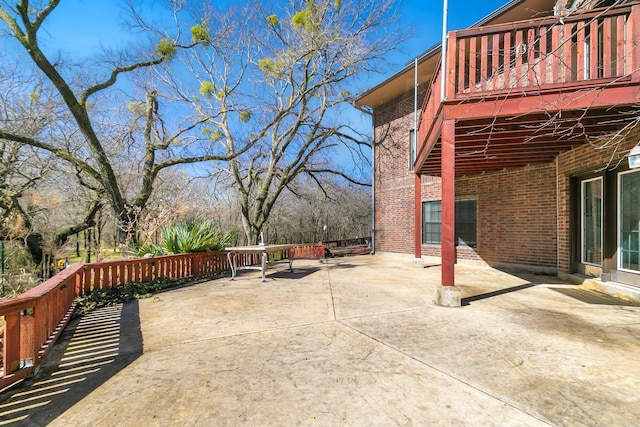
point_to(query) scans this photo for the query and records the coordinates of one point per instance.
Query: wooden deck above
(521, 93)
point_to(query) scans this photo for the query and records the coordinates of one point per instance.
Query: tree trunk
(87, 245)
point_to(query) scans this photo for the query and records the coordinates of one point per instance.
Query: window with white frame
(465, 222)
(591, 233)
(629, 221)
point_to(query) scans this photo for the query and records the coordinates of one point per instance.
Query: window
(592, 221)
(466, 222)
(412, 149)
(431, 219)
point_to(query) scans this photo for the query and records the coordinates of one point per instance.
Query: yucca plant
(148, 249)
(188, 236)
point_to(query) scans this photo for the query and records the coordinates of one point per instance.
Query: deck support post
(447, 294)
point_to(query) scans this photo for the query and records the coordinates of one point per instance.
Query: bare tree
(84, 97)
(343, 208)
(277, 81)
(25, 107)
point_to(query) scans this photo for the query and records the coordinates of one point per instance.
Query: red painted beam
(577, 98)
(427, 138)
(448, 202)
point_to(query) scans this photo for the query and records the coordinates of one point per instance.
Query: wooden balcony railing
(600, 44)
(308, 251)
(34, 320)
(432, 104)
(596, 49)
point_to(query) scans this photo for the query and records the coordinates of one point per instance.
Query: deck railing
(432, 100)
(308, 251)
(592, 49)
(347, 242)
(595, 45)
(34, 320)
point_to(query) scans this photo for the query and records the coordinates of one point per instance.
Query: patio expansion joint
(435, 368)
(381, 313)
(333, 301)
(241, 334)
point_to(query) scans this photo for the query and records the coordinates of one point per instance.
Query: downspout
(373, 183)
(417, 181)
(415, 104)
(443, 61)
(373, 175)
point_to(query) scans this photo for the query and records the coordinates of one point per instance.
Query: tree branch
(87, 222)
(62, 154)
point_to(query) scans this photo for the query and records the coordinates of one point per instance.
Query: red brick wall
(523, 214)
(516, 215)
(516, 208)
(393, 179)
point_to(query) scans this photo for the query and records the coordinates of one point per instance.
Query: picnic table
(265, 250)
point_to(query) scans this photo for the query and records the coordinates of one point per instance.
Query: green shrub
(122, 293)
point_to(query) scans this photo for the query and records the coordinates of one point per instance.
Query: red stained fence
(309, 251)
(34, 320)
(360, 241)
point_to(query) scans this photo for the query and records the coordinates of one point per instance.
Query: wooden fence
(359, 241)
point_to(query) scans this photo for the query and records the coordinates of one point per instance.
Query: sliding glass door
(629, 221)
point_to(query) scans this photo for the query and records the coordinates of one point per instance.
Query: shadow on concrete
(590, 296)
(469, 300)
(535, 278)
(92, 349)
(341, 265)
(432, 265)
(298, 273)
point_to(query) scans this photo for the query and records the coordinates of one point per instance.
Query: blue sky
(426, 17)
(81, 26)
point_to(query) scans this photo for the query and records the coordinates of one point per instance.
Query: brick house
(521, 155)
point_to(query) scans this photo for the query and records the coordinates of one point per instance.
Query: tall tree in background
(277, 81)
(84, 132)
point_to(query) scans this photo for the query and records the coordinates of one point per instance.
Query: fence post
(195, 265)
(79, 291)
(11, 343)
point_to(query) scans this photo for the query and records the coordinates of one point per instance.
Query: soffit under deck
(495, 144)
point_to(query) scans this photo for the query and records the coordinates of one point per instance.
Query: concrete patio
(354, 341)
